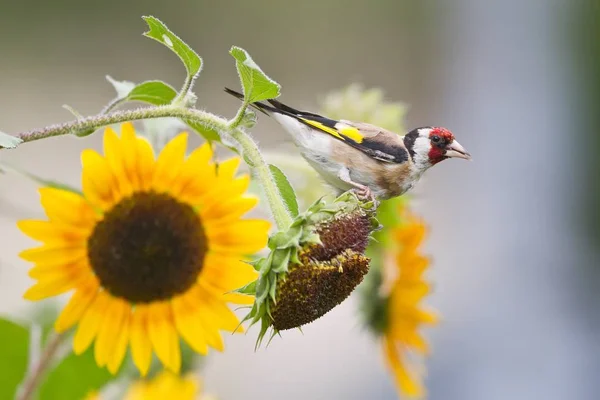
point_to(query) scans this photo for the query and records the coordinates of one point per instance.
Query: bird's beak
(454, 149)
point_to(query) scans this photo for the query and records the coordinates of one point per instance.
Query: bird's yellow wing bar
(344, 133)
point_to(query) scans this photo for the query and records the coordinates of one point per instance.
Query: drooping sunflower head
(152, 248)
(392, 302)
(313, 266)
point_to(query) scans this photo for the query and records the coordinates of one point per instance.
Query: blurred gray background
(514, 234)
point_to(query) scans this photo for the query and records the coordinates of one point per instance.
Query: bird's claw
(364, 193)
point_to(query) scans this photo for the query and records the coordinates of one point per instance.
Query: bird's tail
(262, 107)
(275, 106)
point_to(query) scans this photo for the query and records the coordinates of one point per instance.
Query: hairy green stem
(250, 150)
(280, 212)
(237, 120)
(261, 168)
(112, 105)
(185, 90)
(34, 378)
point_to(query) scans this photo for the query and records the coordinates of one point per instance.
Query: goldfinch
(376, 163)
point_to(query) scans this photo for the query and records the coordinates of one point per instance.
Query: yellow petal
(161, 327)
(189, 388)
(197, 176)
(53, 271)
(98, 183)
(144, 162)
(90, 323)
(116, 159)
(407, 384)
(226, 169)
(228, 210)
(238, 298)
(53, 232)
(56, 284)
(67, 207)
(224, 189)
(214, 191)
(412, 265)
(188, 323)
(169, 163)
(120, 345)
(212, 305)
(407, 335)
(115, 313)
(407, 294)
(410, 236)
(141, 348)
(77, 305)
(55, 254)
(226, 273)
(211, 331)
(241, 237)
(222, 316)
(130, 156)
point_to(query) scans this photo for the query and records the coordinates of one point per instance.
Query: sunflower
(152, 249)
(166, 385)
(402, 289)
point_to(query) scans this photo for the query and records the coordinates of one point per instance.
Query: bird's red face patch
(440, 138)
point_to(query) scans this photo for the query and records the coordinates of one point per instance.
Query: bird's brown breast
(390, 179)
(394, 178)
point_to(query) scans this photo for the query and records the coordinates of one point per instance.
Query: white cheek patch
(421, 147)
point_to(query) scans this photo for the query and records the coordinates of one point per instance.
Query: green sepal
(285, 189)
(281, 259)
(272, 288)
(247, 289)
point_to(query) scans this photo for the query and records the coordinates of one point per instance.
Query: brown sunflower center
(148, 247)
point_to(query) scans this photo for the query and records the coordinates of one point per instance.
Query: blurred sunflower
(392, 295)
(151, 248)
(166, 385)
(403, 288)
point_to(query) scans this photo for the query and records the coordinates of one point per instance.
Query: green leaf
(13, 357)
(157, 93)
(257, 86)
(207, 133)
(74, 377)
(41, 181)
(153, 92)
(285, 189)
(123, 88)
(9, 142)
(159, 32)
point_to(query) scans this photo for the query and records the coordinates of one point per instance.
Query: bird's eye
(435, 139)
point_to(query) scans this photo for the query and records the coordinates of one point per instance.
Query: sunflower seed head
(314, 265)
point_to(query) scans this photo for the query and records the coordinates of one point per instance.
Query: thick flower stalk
(313, 266)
